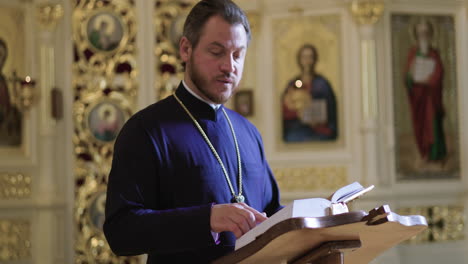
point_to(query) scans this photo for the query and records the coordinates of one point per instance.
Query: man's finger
(241, 222)
(259, 217)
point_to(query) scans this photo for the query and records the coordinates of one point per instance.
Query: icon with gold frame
(96, 209)
(243, 102)
(105, 118)
(105, 31)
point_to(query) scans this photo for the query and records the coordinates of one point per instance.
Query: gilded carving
(367, 12)
(105, 90)
(15, 240)
(49, 14)
(14, 186)
(310, 179)
(169, 21)
(445, 223)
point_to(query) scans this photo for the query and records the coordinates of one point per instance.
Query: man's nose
(227, 65)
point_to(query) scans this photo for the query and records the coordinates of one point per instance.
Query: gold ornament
(367, 12)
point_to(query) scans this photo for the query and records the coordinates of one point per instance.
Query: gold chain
(238, 198)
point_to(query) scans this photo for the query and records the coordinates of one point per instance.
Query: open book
(312, 207)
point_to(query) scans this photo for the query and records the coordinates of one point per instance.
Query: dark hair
(301, 49)
(205, 9)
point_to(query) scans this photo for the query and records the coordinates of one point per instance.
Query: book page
(423, 68)
(312, 207)
(315, 112)
(346, 191)
(355, 195)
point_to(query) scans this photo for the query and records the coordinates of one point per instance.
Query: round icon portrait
(104, 31)
(97, 210)
(105, 121)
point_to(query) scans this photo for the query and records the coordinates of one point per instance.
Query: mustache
(225, 76)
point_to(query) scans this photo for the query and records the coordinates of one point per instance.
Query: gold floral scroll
(15, 240)
(445, 223)
(105, 90)
(310, 178)
(169, 21)
(14, 186)
(367, 12)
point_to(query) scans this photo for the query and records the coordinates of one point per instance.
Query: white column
(369, 103)
(48, 192)
(366, 13)
(46, 186)
(145, 53)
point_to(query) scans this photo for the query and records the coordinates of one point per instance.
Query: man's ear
(185, 49)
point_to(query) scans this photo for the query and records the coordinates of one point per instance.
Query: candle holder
(23, 92)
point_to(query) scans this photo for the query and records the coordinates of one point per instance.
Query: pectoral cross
(238, 199)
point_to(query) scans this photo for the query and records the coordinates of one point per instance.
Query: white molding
(146, 60)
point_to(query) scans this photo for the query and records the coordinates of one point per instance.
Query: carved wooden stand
(348, 238)
(329, 253)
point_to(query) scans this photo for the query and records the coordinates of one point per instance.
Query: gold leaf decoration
(310, 178)
(15, 240)
(14, 186)
(105, 90)
(445, 223)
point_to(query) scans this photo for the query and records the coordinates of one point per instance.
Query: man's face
(423, 31)
(307, 59)
(214, 67)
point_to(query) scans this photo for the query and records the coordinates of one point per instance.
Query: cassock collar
(197, 107)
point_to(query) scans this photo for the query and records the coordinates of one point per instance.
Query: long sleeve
(165, 179)
(133, 224)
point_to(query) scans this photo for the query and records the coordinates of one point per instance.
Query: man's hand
(237, 218)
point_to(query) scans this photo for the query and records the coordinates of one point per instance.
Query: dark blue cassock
(164, 180)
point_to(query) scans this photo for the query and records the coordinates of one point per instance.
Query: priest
(189, 175)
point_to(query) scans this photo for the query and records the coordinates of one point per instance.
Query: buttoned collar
(215, 106)
(198, 107)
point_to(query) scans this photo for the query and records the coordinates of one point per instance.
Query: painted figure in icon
(10, 116)
(106, 121)
(424, 83)
(309, 103)
(104, 32)
(5, 104)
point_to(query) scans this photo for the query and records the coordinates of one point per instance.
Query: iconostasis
(341, 91)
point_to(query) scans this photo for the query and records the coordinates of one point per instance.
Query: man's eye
(216, 53)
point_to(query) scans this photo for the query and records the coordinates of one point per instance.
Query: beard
(202, 83)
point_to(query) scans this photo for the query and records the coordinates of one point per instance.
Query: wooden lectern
(348, 238)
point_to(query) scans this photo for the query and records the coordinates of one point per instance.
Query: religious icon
(424, 84)
(176, 29)
(105, 121)
(243, 102)
(309, 102)
(10, 116)
(104, 31)
(96, 210)
(425, 96)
